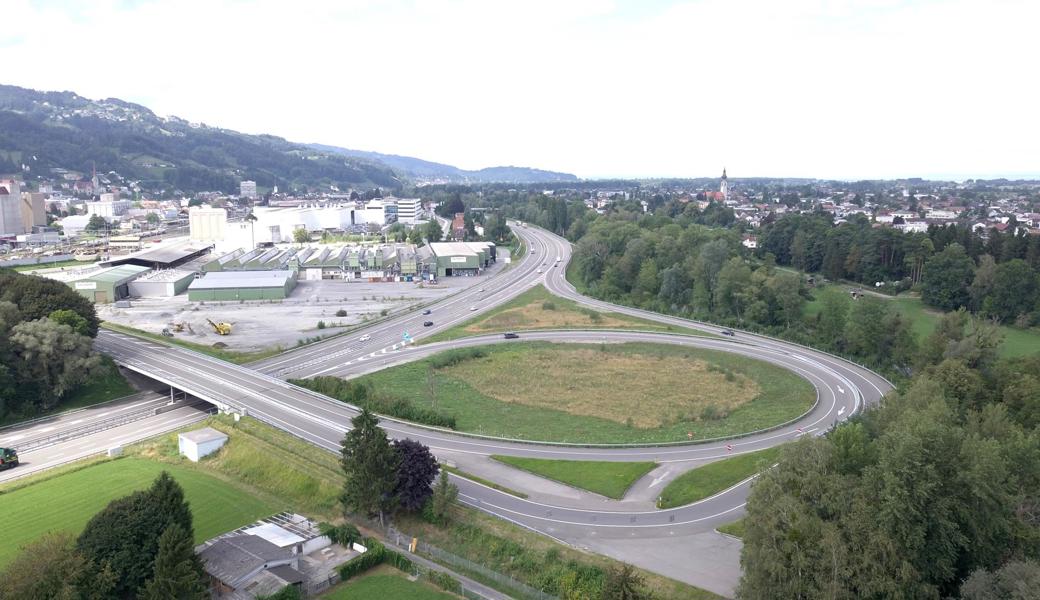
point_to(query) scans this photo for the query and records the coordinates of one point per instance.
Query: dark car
(512, 336)
(8, 458)
(426, 312)
(428, 324)
(728, 332)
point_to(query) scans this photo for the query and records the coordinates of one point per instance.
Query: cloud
(800, 88)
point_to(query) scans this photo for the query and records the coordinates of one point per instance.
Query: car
(427, 324)
(473, 308)
(427, 311)
(8, 458)
(728, 332)
(365, 338)
(481, 290)
(511, 335)
(539, 271)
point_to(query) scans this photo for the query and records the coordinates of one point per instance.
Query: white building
(201, 442)
(74, 225)
(108, 209)
(409, 210)
(247, 189)
(207, 224)
(11, 222)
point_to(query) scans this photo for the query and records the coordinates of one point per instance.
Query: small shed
(201, 442)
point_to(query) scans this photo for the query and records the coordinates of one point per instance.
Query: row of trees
(946, 261)
(46, 349)
(139, 546)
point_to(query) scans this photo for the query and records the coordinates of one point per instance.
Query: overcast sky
(800, 88)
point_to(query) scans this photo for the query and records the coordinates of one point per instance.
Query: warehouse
(227, 286)
(460, 258)
(109, 285)
(166, 256)
(161, 284)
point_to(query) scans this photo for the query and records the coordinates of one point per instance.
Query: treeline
(997, 275)
(140, 546)
(46, 345)
(680, 267)
(934, 494)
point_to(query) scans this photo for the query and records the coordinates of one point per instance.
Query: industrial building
(161, 284)
(107, 285)
(11, 221)
(165, 256)
(453, 259)
(229, 286)
(388, 262)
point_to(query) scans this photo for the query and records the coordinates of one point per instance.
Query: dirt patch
(545, 315)
(643, 391)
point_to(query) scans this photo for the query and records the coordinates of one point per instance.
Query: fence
(467, 567)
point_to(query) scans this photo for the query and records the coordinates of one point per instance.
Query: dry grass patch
(545, 315)
(643, 391)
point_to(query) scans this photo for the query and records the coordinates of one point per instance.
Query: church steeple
(724, 186)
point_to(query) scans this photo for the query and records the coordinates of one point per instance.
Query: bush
(321, 324)
(363, 396)
(445, 582)
(341, 313)
(289, 592)
(384, 312)
(454, 357)
(548, 305)
(344, 535)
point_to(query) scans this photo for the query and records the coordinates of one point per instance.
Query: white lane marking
(841, 389)
(658, 480)
(841, 411)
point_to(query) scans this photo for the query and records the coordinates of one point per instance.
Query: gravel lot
(261, 325)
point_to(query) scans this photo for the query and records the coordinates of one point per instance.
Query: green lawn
(1017, 342)
(736, 528)
(53, 265)
(68, 501)
(386, 585)
(537, 309)
(554, 407)
(713, 478)
(610, 479)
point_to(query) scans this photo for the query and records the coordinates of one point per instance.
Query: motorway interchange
(679, 542)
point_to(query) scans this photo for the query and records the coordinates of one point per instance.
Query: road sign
(407, 338)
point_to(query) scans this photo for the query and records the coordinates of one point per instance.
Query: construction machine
(178, 327)
(221, 328)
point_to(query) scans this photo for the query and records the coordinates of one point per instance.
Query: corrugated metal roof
(118, 274)
(223, 280)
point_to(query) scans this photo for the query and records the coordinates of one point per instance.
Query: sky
(794, 88)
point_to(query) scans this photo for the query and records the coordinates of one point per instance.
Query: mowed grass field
(603, 393)
(386, 583)
(610, 479)
(538, 309)
(1017, 342)
(66, 502)
(702, 482)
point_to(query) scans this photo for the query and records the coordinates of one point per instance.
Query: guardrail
(91, 428)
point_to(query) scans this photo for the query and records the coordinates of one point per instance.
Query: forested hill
(47, 130)
(424, 170)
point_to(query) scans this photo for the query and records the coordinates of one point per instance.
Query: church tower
(724, 186)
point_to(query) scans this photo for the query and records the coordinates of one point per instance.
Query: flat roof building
(161, 284)
(107, 285)
(229, 286)
(460, 258)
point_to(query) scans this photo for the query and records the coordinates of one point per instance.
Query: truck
(8, 458)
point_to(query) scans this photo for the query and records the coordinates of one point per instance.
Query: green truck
(8, 458)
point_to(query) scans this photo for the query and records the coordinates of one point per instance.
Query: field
(385, 583)
(538, 309)
(608, 393)
(1017, 342)
(67, 501)
(715, 477)
(51, 265)
(610, 479)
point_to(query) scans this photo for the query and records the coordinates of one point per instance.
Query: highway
(259, 390)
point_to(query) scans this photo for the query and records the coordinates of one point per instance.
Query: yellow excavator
(220, 328)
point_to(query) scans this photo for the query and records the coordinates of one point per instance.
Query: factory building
(207, 225)
(11, 221)
(453, 259)
(165, 256)
(107, 285)
(230, 286)
(161, 284)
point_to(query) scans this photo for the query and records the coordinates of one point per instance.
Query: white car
(539, 271)
(365, 338)
(473, 308)
(481, 290)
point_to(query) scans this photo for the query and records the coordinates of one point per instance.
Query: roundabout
(656, 539)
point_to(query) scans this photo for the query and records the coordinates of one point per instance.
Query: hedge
(363, 395)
